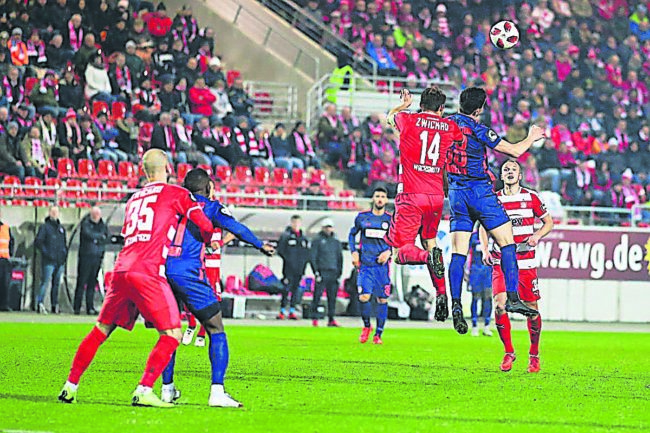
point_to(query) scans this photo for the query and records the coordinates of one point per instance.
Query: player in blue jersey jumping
(472, 198)
(187, 277)
(372, 257)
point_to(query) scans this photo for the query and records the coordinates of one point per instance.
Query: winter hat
(627, 174)
(70, 114)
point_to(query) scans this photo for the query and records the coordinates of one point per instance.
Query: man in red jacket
(201, 98)
(158, 23)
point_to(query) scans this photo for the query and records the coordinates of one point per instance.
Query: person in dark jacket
(326, 258)
(6, 251)
(51, 242)
(549, 165)
(13, 159)
(293, 247)
(282, 150)
(92, 244)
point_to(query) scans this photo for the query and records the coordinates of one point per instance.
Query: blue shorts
(374, 280)
(478, 203)
(194, 289)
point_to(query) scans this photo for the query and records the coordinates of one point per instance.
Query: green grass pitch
(322, 380)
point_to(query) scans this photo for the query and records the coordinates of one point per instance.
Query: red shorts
(528, 290)
(214, 277)
(414, 214)
(131, 294)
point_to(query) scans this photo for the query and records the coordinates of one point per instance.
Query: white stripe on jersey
(521, 213)
(523, 230)
(162, 272)
(171, 233)
(527, 263)
(516, 197)
(212, 263)
(165, 252)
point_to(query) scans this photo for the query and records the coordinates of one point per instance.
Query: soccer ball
(504, 35)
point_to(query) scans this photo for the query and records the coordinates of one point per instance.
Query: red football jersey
(213, 261)
(150, 222)
(522, 208)
(424, 141)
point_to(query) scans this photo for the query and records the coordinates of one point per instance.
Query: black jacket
(51, 242)
(326, 254)
(294, 249)
(93, 238)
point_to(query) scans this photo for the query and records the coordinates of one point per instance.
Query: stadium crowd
(581, 70)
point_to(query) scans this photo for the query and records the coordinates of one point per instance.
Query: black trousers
(293, 287)
(87, 272)
(330, 285)
(5, 280)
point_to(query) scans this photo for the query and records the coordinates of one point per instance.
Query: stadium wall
(590, 274)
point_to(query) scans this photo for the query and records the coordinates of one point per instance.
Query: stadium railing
(274, 102)
(365, 94)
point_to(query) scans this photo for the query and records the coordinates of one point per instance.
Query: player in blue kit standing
(187, 276)
(479, 281)
(472, 198)
(372, 257)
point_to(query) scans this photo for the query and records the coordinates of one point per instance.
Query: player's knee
(214, 325)
(174, 333)
(382, 301)
(107, 330)
(364, 298)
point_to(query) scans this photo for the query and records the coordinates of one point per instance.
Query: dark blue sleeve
(221, 216)
(487, 136)
(352, 237)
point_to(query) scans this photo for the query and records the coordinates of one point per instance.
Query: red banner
(577, 254)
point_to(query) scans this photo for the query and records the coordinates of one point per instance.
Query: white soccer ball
(504, 35)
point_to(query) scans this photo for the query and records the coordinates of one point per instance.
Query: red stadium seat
(289, 202)
(54, 184)
(280, 177)
(299, 178)
(41, 203)
(65, 168)
(76, 193)
(262, 176)
(234, 285)
(232, 189)
(318, 176)
(19, 202)
(271, 202)
(86, 169)
(94, 187)
(99, 107)
(114, 195)
(243, 176)
(118, 110)
(224, 173)
(126, 170)
(205, 167)
(82, 205)
(12, 186)
(36, 185)
(348, 199)
(252, 201)
(182, 170)
(106, 170)
(30, 83)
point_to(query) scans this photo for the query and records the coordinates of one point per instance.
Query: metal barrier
(274, 102)
(366, 95)
(257, 29)
(319, 33)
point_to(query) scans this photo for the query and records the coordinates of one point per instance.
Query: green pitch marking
(322, 380)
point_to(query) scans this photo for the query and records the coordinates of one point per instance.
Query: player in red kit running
(139, 282)
(523, 207)
(425, 138)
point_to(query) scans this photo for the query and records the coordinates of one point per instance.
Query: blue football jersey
(373, 228)
(467, 160)
(187, 249)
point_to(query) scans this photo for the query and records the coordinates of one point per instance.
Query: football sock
(283, 311)
(503, 326)
(439, 283)
(158, 359)
(218, 356)
(191, 320)
(292, 310)
(534, 329)
(201, 332)
(456, 270)
(168, 372)
(510, 267)
(411, 255)
(382, 314)
(85, 354)
(365, 314)
(487, 309)
(474, 310)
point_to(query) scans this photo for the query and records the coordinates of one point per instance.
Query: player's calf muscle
(174, 333)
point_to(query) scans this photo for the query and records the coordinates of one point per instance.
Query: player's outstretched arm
(241, 232)
(517, 149)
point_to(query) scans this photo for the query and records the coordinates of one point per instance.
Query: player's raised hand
(536, 133)
(268, 249)
(406, 98)
(355, 259)
(488, 260)
(384, 257)
(533, 240)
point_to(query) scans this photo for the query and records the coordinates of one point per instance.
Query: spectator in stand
(91, 139)
(190, 71)
(59, 13)
(13, 159)
(283, 154)
(263, 156)
(13, 89)
(201, 98)
(116, 37)
(24, 116)
(109, 149)
(637, 160)
(94, 236)
(302, 147)
(615, 159)
(45, 95)
(215, 144)
(222, 109)
(163, 60)
(37, 154)
(603, 184)
(214, 74)
(36, 50)
(639, 23)
(241, 103)
(314, 190)
(98, 84)
(134, 63)
(48, 133)
(51, 242)
(74, 33)
(145, 99)
(359, 160)
(71, 94)
(17, 48)
(70, 134)
(379, 54)
(348, 120)
(162, 138)
(158, 23)
(120, 77)
(330, 135)
(170, 98)
(57, 55)
(85, 55)
(383, 172)
(206, 155)
(531, 176)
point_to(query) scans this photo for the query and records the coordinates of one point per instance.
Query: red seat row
(105, 170)
(91, 189)
(258, 197)
(278, 177)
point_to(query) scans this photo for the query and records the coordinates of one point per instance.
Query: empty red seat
(33, 186)
(53, 185)
(19, 202)
(86, 168)
(289, 202)
(182, 170)
(318, 176)
(93, 188)
(41, 203)
(232, 189)
(262, 176)
(347, 198)
(271, 202)
(114, 195)
(118, 110)
(65, 168)
(224, 173)
(252, 201)
(12, 186)
(243, 176)
(73, 189)
(106, 169)
(280, 177)
(299, 177)
(205, 167)
(126, 170)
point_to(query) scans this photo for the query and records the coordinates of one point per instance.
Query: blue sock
(365, 314)
(218, 357)
(168, 372)
(292, 310)
(382, 314)
(510, 267)
(487, 309)
(456, 271)
(474, 310)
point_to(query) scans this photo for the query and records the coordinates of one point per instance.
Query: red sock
(438, 283)
(158, 359)
(201, 332)
(191, 320)
(85, 354)
(411, 255)
(534, 329)
(503, 326)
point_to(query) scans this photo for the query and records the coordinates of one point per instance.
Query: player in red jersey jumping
(523, 206)
(139, 282)
(425, 138)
